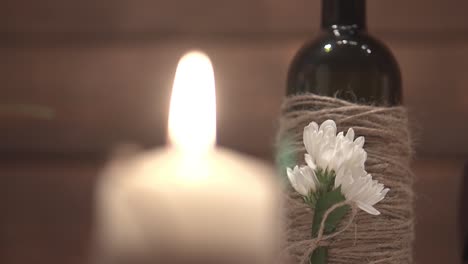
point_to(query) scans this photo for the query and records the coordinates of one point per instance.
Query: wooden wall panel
(46, 209)
(438, 191)
(222, 16)
(104, 96)
(435, 87)
(97, 95)
(119, 92)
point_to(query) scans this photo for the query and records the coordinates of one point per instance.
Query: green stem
(320, 255)
(324, 203)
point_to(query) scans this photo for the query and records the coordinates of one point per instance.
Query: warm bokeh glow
(192, 114)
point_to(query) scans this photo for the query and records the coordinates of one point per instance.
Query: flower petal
(368, 208)
(309, 136)
(359, 141)
(310, 179)
(293, 177)
(303, 179)
(310, 162)
(329, 124)
(328, 128)
(350, 134)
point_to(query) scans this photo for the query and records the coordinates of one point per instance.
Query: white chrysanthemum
(327, 150)
(361, 189)
(343, 155)
(303, 179)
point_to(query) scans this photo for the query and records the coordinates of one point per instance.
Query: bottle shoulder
(360, 48)
(351, 65)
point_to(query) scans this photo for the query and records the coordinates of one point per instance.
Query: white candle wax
(190, 198)
(154, 202)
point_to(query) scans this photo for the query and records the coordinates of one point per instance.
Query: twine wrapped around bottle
(361, 237)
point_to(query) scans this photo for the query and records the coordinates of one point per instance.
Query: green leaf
(319, 256)
(324, 202)
(326, 179)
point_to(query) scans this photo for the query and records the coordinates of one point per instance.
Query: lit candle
(191, 200)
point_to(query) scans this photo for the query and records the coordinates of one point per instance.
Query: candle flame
(192, 113)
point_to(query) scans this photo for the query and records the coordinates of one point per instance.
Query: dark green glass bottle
(345, 61)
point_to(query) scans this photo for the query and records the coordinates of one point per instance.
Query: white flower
(303, 179)
(327, 150)
(343, 155)
(361, 189)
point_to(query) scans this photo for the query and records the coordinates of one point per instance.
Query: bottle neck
(344, 14)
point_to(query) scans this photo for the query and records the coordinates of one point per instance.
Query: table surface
(47, 210)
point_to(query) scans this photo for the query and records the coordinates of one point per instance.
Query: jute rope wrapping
(360, 237)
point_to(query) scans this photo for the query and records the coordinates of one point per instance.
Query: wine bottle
(344, 61)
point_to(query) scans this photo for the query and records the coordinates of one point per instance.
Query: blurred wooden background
(104, 71)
